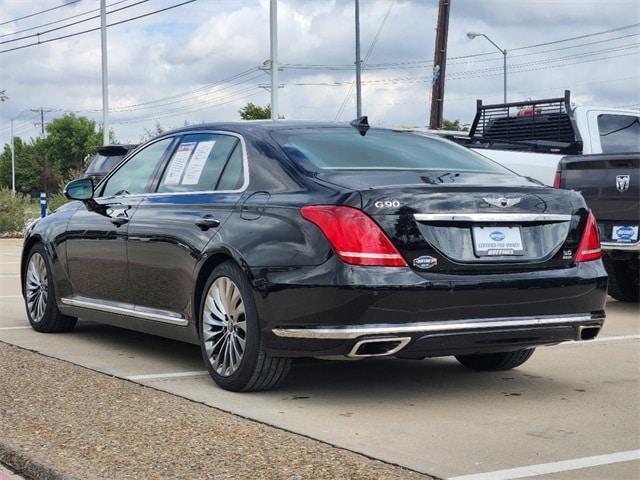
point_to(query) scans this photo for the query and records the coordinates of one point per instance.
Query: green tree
(3, 96)
(251, 111)
(43, 164)
(454, 125)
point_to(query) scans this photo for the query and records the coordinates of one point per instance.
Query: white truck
(531, 137)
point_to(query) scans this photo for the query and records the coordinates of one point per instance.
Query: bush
(56, 201)
(14, 213)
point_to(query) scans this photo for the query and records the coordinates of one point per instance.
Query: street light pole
(273, 25)
(13, 162)
(105, 73)
(358, 63)
(472, 35)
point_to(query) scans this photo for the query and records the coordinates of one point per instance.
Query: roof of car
(259, 125)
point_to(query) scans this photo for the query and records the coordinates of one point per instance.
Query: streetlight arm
(502, 51)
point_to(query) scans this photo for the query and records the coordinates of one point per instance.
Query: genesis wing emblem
(502, 202)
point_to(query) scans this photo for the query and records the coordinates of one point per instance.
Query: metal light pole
(13, 162)
(358, 63)
(105, 73)
(473, 35)
(273, 26)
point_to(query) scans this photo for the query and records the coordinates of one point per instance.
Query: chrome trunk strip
(355, 331)
(127, 309)
(632, 247)
(491, 217)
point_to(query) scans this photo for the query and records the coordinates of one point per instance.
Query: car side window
(232, 178)
(619, 133)
(197, 163)
(133, 177)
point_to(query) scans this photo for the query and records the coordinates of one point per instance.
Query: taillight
(556, 179)
(589, 248)
(355, 237)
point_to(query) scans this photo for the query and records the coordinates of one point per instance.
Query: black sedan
(266, 241)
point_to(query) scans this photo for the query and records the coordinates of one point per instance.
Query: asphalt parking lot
(572, 411)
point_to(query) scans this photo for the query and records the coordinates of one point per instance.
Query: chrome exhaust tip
(587, 332)
(378, 347)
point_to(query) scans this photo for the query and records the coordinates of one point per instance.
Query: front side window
(134, 176)
(198, 163)
(619, 133)
(345, 149)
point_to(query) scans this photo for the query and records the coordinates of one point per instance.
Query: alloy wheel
(224, 326)
(36, 287)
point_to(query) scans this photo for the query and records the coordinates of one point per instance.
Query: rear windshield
(103, 163)
(346, 149)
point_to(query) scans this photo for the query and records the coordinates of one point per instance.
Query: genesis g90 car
(266, 241)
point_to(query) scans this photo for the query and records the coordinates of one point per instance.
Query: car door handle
(118, 221)
(207, 222)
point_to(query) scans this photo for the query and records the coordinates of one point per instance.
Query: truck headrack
(534, 125)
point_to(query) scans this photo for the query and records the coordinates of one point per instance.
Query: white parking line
(10, 296)
(22, 327)
(554, 467)
(601, 340)
(9, 275)
(154, 376)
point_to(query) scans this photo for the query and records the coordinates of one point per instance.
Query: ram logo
(622, 182)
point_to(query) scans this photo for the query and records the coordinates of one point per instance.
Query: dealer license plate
(494, 241)
(624, 233)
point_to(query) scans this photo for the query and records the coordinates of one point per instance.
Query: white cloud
(197, 44)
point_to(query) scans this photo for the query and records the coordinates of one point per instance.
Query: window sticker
(197, 163)
(178, 162)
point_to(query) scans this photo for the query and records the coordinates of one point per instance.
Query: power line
(41, 12)
(625, 27)
(61, 20)
(98, 28)
(196, 93)
(38, 34)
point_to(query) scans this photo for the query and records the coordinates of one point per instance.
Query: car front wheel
(40, 296)
(230, 335)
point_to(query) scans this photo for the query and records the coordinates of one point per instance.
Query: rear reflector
(589, 248)
(355, 237)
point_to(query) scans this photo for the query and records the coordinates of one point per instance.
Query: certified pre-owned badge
(425, 262)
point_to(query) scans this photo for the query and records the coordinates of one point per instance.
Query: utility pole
(439, 65)
(273, 27)
(13, 162)
(42, 123)
(105, 73)
(358, 63)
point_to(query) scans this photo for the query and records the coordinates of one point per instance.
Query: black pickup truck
(609, 184)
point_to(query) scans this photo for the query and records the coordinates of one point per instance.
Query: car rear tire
(495, 361)
(40, 296)
(623, 279)
(230, 338)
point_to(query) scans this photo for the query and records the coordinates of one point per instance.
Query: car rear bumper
(628, 247)
(453, 337)
(327, 310)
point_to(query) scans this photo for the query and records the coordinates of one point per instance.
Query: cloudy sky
(199, 61)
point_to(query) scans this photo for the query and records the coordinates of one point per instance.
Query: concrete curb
(22, 463)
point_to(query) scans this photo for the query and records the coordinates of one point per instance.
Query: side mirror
(81, 189)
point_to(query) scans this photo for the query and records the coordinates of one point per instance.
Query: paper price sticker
(197, 162)
(178, 162)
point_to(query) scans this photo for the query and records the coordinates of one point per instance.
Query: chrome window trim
(156, 315)
(349, 332)
(245, 168)
(491, 217)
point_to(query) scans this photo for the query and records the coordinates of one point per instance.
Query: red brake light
(556, 179)
(355, 237)
(589, 248)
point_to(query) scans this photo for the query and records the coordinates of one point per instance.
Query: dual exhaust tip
(382, 347)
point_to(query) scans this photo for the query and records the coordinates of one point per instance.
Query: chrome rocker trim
(491, 217)
(354, 331)
(629, 247)
(127, 309)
